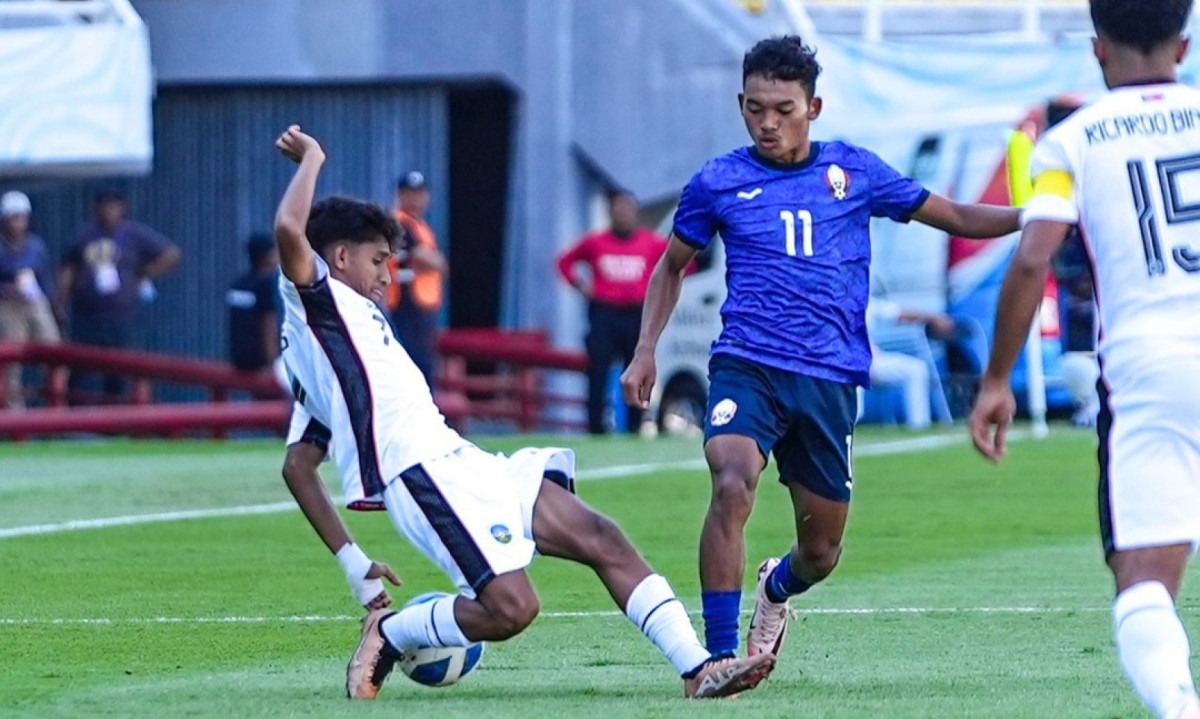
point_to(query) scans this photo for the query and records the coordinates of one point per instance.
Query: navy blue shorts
(808, 423)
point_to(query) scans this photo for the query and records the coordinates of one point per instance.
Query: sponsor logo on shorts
(501, 534)
(723, 412)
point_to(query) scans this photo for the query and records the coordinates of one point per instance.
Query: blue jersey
(797, 252)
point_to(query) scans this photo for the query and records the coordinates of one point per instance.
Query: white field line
(327, 618)
(899, 446)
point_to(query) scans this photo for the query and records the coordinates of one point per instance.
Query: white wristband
(355, 563)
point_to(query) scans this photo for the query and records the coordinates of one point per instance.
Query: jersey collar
(1147, 81)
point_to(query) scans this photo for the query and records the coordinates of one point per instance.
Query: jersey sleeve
(893, 195)
(696, 216)
(1053, 197)
(305, 429)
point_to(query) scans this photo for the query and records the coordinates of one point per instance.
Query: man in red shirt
(620, 260)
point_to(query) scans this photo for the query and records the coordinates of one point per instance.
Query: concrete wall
(626, 91)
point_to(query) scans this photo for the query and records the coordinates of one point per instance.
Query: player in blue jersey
(794, 217)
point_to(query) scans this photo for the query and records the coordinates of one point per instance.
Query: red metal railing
(268, 410)
(510, 386)
(487, 374)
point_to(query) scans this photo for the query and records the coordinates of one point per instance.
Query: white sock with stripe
(431, 624)
(654, 609)
(1153, 647)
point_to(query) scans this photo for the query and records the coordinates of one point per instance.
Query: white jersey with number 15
(1127, 170)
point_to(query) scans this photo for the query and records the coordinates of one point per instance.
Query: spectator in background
(253, 303)
(901, 341)
(619, 261)
(416, 300)
(25, 312)
(106, 273)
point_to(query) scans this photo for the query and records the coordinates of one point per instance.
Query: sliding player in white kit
(1126, 169)
(478, 516)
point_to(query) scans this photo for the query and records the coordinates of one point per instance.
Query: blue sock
(721, 621)
(783, 583)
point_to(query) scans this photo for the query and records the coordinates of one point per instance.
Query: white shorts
(1149, 451)
(471, 512)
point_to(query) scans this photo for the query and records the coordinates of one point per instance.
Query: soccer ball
(438, 666)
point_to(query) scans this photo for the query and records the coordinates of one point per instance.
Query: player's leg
(741, 426)
(1151, 641)
(564, 526)
(814, 460)
(1149, 455)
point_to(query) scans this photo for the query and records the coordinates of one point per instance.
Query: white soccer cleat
(768, 625)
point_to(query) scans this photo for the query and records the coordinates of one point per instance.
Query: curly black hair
(1143, 24)
(344, 219)
(783, 58)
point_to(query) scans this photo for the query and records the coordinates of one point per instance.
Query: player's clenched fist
(296, 145)
(638, 380)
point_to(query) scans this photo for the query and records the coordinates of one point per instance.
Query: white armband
(355, 563)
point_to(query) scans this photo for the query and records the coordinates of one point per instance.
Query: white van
(681, 391)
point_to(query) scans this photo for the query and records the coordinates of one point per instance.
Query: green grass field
(964, 591)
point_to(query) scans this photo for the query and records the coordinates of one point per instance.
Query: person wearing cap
(25, 314)
(105, 276)
(415, 297)
(253, 303)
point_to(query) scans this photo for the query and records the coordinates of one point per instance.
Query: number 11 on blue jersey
(804, 217)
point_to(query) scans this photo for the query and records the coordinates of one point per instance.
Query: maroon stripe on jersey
(1104, 424)
(334, 337)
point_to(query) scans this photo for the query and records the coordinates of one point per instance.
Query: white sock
(1153, 648)
(430, 624)
(654, 609)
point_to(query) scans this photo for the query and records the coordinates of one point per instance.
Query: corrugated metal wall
(217, 178)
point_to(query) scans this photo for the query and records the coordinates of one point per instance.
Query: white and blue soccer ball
(438, 666)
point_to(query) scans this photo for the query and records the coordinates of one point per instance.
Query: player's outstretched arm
(662, 295)
(1020, 296)
(961, 220)
(295, 254)
(304, 482)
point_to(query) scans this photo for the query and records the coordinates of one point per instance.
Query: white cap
(14, 203)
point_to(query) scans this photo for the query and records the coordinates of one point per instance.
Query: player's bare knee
(611, 546)
(512, 616)
(733, 492)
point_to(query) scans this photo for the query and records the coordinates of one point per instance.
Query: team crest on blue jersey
(723, 412)
(501, 534)
(838, 181)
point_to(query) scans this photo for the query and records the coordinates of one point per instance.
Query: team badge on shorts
(723, 412)
(501, 534)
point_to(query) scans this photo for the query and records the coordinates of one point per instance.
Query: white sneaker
(768, 625)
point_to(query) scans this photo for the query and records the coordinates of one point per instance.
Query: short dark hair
(783, 58)
(1143, 24)
(344, 219)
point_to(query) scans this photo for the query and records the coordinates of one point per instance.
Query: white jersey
(351, 375)
(1127, 170)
